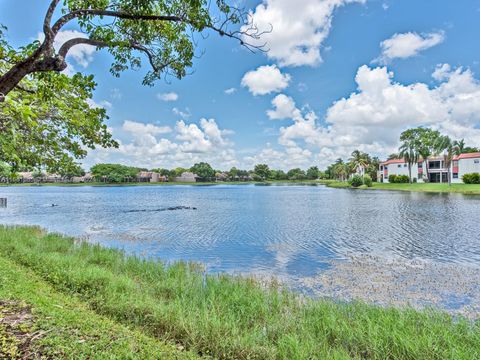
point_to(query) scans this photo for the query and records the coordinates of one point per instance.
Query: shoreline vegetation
(467, 189)
(86, 299)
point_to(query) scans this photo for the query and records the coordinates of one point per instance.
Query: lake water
(385, 247)
(290, 231)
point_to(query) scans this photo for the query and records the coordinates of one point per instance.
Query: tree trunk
(426, 171)
(12, 77)
(34, 63)
(448, 176)
(410, 172)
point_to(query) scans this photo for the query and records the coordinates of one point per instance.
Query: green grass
(469, 189)
(124, 305)
(66, 327)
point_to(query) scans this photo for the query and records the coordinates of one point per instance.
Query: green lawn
(63, 326)
(471, 189)
(93, 302)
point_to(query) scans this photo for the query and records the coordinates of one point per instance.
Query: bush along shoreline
(221, 316)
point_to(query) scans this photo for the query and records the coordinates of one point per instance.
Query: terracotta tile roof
(459, 157)
(467, 156)
(393, 161)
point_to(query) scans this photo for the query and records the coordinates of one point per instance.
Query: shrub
(473, 178)
(392, 178)
(356, 181)
(402, 179)
(415, 180)
(367, 180)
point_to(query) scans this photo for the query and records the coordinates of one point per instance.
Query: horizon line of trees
(116, 173)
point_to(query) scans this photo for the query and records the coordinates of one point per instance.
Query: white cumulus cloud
(265, 80)
(148, 145)
(408, 44)
(298, 28)
(284, 108)
(168, 97)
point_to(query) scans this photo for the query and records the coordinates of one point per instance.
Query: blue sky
(353, 74)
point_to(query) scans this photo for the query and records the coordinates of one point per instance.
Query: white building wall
(467, 166)
(401, 169)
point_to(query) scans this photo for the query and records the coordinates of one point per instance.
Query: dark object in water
(53, 205)
(171, 208)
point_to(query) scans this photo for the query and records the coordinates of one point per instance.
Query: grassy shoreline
(467, 189)
(209, 315)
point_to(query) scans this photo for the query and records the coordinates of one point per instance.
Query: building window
(455, 163)
(404, 165)
(476, 161)
(399, 165)
(455, 175)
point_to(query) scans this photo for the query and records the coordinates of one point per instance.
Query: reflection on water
(291, 231)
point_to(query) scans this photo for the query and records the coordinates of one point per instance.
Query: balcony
(435, 165)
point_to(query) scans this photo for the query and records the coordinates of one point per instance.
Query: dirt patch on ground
(401, 282)
(16, 331)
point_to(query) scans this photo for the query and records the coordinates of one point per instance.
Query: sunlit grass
(472, 189)
(230, 317)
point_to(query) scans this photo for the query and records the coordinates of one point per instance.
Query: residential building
(187, 177)
(151, 176)
(434, 167)
(88, 177)
(25, 177)
(221, 176)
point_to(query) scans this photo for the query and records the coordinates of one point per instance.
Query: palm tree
(408, 151)
(393, 156)
(359, 160)
(459, 146)
(426, 140)
(341, 170)
(449, 148)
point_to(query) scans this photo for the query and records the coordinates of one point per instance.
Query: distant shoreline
(467, 189)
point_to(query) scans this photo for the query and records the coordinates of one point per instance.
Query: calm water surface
(291, 231)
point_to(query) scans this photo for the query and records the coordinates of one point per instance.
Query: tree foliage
(53, 127)
(296, 174)
(262, 170)
(203, 170)
(313, 173)
(49, 121)
(115, 173)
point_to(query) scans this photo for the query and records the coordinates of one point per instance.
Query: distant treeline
(205, 172)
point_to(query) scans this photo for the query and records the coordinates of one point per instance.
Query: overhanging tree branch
(65, 48)
(169, 47)
(117, 14)
(49, 35)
